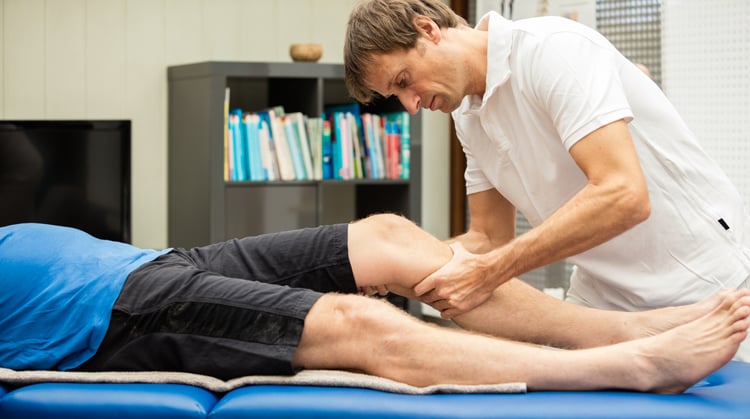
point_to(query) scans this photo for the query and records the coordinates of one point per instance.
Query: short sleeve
(576, 78)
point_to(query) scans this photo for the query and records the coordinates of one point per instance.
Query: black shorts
(225, 310)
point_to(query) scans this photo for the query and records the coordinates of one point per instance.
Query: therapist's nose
(410, 101)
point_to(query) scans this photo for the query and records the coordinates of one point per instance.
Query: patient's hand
(381, 290)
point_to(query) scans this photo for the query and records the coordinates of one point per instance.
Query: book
(336, 156)
(326, 149)
(353, 150)
(347, 148)
(256, 171)
(379, 136)
(239, 146)
(300, 125)
(372, 141)
(392, 140)
(403, 127)
(295, 149)
(227, 152)
(357, 152)
(273, 165)
(268, 151)
(315, 136)
(283, 155)
(406, 146)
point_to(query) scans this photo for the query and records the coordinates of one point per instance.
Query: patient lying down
(282, 302)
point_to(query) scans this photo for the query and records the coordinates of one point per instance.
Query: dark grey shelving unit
(203, 208)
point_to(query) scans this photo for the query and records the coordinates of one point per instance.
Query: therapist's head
(387, 36)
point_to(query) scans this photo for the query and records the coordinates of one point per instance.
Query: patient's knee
(356, 313)
(354, 332)
(390, 226)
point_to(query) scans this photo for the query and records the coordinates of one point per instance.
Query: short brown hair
(384, 26)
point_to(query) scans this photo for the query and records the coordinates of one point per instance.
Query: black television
(70, 173)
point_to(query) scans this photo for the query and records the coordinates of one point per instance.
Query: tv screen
(70, 173)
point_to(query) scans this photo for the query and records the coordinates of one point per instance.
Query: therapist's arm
(614, 200)
(492, 222)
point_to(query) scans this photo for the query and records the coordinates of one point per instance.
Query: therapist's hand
(459, 286)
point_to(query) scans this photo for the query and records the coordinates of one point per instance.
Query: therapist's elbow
(635, 205)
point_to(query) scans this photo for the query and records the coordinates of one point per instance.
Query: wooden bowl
(306, 52)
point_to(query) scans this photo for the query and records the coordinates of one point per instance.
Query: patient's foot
(672, 361)
(652, 322)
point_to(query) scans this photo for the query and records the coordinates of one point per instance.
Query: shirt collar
(499, 41)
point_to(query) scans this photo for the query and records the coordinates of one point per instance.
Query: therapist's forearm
(475, 242)
(593, 216)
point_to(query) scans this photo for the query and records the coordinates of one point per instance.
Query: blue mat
(724, 394)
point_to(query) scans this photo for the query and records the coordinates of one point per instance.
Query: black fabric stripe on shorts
(216, 320)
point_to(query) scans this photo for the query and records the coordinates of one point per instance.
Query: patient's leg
(388, 249)
(364, 334)
(519, 311)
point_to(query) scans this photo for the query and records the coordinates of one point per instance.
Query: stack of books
(342, 143)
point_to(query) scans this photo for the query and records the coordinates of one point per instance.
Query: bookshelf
(204, 208)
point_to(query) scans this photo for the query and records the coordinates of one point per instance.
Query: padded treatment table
(724, 395)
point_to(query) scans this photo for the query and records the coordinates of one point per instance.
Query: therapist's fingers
(441, 305)
(446, 309)
(450, 313)
(430, 297)
(438, 279)
(425, 286)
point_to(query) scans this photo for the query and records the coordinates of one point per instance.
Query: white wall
(107, 59)
(583, 11)
(706, 74)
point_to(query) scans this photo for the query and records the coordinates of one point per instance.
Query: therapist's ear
(428, 28)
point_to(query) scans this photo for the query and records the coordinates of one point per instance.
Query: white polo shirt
(552, 81)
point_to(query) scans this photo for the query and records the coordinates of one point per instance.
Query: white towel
(326, 378)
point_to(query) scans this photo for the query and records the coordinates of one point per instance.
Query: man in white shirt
(556, 123)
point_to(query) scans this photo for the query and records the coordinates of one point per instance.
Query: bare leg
(388, 249)
(519, 311)
(364, 334)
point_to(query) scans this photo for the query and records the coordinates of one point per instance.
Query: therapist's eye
(402, 81)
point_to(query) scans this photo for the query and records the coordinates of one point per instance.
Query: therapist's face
(420, 77)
